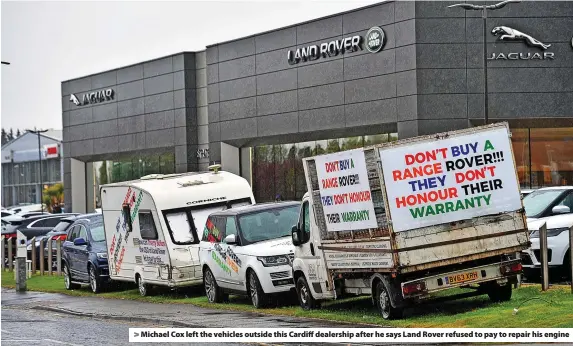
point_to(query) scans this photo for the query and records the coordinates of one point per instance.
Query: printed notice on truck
(451, 179)
(345, 191)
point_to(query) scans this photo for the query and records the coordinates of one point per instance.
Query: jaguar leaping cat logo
(510, 34)
(75, 100)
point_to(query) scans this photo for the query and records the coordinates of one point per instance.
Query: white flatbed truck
(402, 220)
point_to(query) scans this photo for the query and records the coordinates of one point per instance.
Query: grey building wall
(449, 66)
(256, 97)
(154, 109)
(428, 77)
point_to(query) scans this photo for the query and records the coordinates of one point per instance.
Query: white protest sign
(345, 191)
(451, 179)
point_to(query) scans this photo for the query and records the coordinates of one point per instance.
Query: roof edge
(130, 65)
(302, 23)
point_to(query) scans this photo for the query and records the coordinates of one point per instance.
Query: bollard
(571, 256)
(34, 255)
(543, 259)
(10, 255)
(50, 266)
(21, 272)
(42, 257)
(3, 249)
(59, 255)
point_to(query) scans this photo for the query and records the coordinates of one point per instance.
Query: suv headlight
(552, 232)
(102, 255)
(273, 261)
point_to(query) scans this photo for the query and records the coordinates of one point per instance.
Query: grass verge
(553, 308)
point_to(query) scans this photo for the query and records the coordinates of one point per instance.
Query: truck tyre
(68, 279)
(498, 293)
(305, 298)
(212, 290)
(95, 282)
(258, 297)
(384, 304)
(142, 286)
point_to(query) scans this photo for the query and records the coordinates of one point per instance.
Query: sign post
(543, 255)
(571, 254)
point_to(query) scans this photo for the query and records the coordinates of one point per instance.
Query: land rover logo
(375, 39)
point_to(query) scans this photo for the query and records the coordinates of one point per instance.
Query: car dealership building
(260, 104)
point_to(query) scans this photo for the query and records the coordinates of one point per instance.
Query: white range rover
(554, 207)
(248, 250)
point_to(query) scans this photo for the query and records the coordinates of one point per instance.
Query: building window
(551, 156)
(278, 170)
(131, 168)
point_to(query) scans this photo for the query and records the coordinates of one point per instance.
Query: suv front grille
(280, 275)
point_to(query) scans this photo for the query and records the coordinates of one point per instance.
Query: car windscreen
(184, 232)
(268, 224)
(97, 232)
(536, 202)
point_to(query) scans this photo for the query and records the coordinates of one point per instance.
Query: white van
(153, 225)
(249, 251)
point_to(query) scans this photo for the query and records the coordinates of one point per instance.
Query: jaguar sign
(505, 33)
(374, 38)
(93, 97)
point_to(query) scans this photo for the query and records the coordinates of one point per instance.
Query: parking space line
(61, 342)
(21, 340)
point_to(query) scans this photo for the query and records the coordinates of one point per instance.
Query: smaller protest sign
(345, 191)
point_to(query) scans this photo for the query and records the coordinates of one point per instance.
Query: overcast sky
(49, 42)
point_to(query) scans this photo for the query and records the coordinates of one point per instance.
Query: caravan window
(187, 224)
(180, 228)
(147, 226)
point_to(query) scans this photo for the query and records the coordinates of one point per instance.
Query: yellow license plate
(463, 277)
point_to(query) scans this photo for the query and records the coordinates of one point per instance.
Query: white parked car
(248, 250)
(553, 206)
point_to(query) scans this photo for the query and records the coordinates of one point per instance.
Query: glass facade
(135, 167)
(543, 156)
(277, 169)
(21, 180)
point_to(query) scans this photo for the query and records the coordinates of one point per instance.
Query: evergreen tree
(4, 137)
(11, 135)
(18, 134)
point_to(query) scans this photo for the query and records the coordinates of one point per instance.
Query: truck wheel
(499, 293)
(142, 286)
(68, 279)
(258, 296)
(305, 298)
(212, 290)
(95, 282)
(384, 304)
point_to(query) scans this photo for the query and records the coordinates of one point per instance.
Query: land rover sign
(374, 38)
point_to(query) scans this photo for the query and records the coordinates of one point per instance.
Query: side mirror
(80, 242)
(127, 216)
(231, 239)
(561, 209)
(294, 234)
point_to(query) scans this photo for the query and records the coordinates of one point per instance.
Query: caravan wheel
(143, 287)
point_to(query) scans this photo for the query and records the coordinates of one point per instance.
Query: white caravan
(150, 239)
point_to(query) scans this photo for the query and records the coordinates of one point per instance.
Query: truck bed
(381, 249)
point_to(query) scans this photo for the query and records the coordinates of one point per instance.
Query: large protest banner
(445, 180)
(345, 191)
